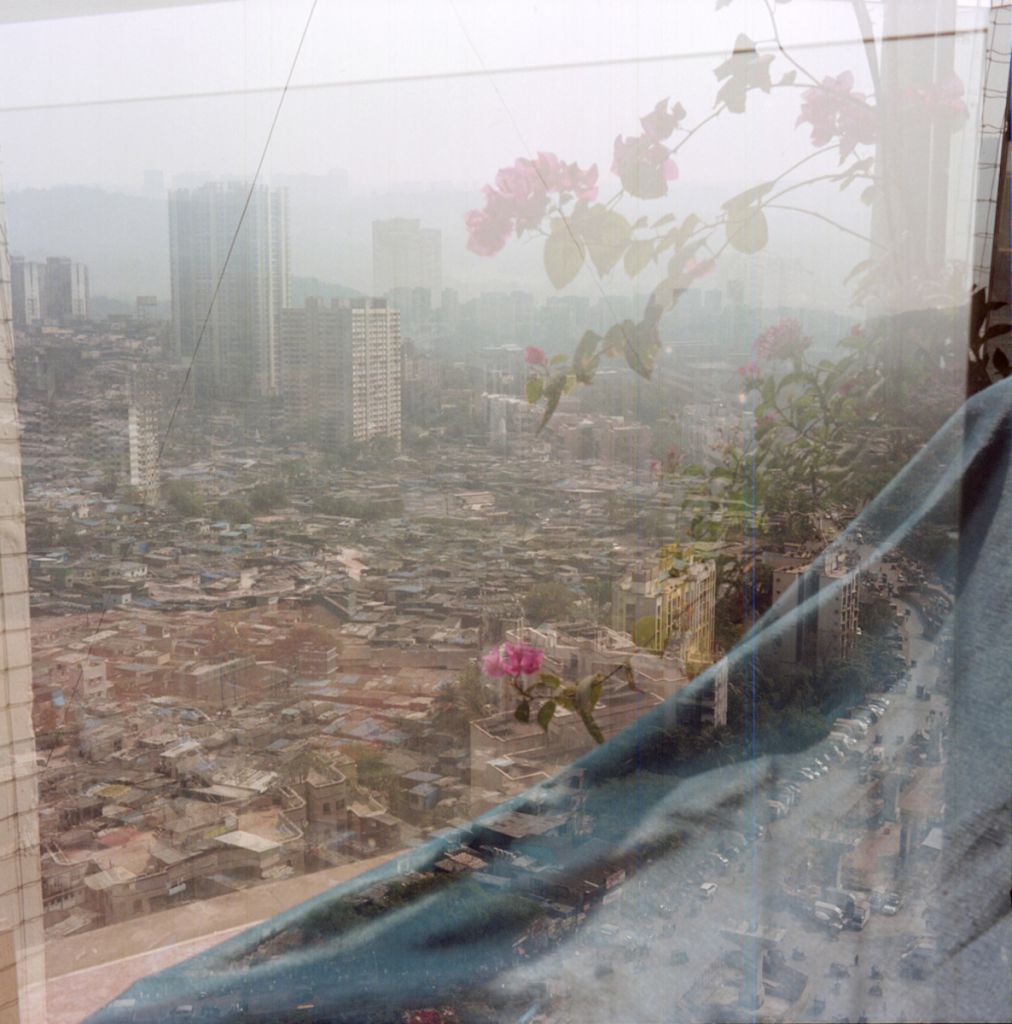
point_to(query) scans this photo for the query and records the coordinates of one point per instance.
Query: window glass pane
(523, 478)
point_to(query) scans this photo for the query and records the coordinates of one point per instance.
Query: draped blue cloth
(455, 944)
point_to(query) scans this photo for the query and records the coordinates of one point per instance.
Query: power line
(438, 76)
(235, 235)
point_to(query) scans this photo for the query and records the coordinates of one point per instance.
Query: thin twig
(780, 45)
(828, 220)
(692, 131)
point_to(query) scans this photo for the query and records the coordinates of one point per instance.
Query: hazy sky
(447, 130)
(431, 131)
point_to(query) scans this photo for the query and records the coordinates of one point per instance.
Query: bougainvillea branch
(541, 694)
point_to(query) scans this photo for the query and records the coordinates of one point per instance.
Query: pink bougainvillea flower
(530, 660)
(493, 665)
(855, 331)
(582, 184)
(834, 110)
(534, 356)
(512, 656)
(748, 369)
(525, 194)
(520, 199)
(556, 176)
(488, 229)
(521, 659)
(781, 341)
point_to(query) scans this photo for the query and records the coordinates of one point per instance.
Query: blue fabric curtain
(404, 942)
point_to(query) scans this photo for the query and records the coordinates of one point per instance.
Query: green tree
(234, 510)
(108, 484)
(548, 602)
(380, 448)
(462, 701)
(183, 498)
(267, 496)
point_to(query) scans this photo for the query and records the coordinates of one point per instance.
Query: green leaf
(586, 357)
(588, 692)
(545, 714)
(564, 255)
(748, 234)
(858, 268)
(553, 392)
(535, 388)
(523, 711)
(788, 78)
(617, 338)
(557, 360)
(686, 230)
(591, 726)
(792, 378)
(606, 235)
(637, 256)
(847, 176)
(630, 677)
(742, 71)
(642, 348)
(553, 682)
(639, 169)
(740, 203)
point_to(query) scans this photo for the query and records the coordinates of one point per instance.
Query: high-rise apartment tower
(406, 256)
(237, 349)
(341, 370)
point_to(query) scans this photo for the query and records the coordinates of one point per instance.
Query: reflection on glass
(504, 478)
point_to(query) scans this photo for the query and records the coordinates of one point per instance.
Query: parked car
(707, 890)
(887, 903)
(892, 905)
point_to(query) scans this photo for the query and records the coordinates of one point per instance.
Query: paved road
(661, 914)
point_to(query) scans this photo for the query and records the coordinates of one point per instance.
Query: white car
(707, 889)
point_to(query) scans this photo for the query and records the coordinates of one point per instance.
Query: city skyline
(503, 512)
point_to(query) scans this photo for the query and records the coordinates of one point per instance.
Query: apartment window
(482, 419)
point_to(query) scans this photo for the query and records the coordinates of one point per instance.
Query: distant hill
(123, 239)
